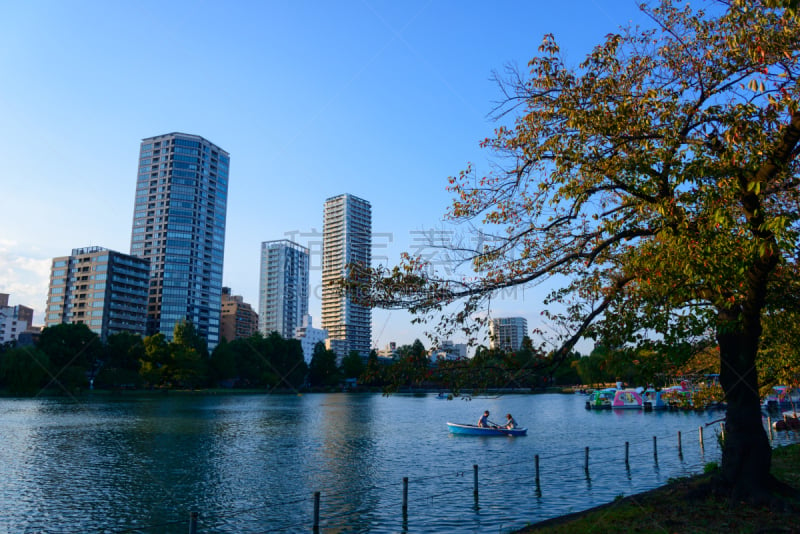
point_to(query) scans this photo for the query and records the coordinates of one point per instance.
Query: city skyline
(378, 99)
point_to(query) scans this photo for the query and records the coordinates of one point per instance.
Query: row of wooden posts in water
(194, 516)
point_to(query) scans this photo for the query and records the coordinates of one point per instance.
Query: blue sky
(380, 99)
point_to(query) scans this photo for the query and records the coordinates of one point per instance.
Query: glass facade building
(346, 239)
(283, 287)
(103, 289)
(179, 226)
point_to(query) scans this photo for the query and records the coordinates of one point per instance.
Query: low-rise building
(238, 319)
(309, 337)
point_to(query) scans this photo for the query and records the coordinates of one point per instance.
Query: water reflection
(252, 463)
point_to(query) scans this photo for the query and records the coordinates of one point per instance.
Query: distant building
(389, 352)
(179, 226)
(346, 239)
(238, 319)
(448, 350)
(283, 287)
(103, 289)
(309, 337)
(14, 320)
(506, 333)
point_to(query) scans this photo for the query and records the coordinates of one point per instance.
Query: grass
(685, 506)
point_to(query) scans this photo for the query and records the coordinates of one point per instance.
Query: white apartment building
(309, 337)
(283, 287)
(346, 239)
(506, 333)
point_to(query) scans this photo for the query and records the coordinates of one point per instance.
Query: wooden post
(655, 449)
(769, 427)
(627, 450)
(475, 479)
(722, 431)
(536, 462)
(193, 522)
(405, 494)
(680, 445)
(702, 444)
(586, 461)
(316, 511)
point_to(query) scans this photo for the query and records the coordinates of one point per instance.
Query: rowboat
(474, 430)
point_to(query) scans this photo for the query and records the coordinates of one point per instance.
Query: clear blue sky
(380, 99)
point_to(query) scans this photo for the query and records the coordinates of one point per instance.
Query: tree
(657, 183)
(122, 359)
(24, 370)
(352, 365)
(73, 350)
(155, 363)
(322, 370)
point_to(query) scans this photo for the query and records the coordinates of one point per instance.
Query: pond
(252, 463)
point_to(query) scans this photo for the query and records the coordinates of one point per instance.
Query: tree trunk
(746, 453)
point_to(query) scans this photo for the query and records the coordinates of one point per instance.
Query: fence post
(405, 494)
(586, 461)
(316, 511)
(627, 449)
(680, 445)
(193, 522)
(475, 479)
(702, 444)
(655, 449)
(536, 462)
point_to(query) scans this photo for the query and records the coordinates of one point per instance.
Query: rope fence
(524, 472)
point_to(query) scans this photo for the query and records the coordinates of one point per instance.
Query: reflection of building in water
(347, 429)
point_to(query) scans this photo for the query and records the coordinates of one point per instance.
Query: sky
(380, 99)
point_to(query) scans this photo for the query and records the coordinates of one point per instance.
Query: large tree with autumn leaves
(657, 182)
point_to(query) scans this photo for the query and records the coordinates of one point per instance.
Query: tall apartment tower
(283, 287)
(179, 226)
(506, 333)
(346, 239)
(103, 289)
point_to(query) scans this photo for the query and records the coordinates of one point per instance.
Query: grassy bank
(684, 506)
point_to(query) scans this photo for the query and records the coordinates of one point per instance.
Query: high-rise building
(283, 287)
(179, 226)
(506, 333)
(103, 289)
(238, 319)
(346, 240)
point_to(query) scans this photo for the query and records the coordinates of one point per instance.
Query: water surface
(251, 463)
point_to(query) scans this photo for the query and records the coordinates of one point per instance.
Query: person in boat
(510, 423)
(483, 422)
